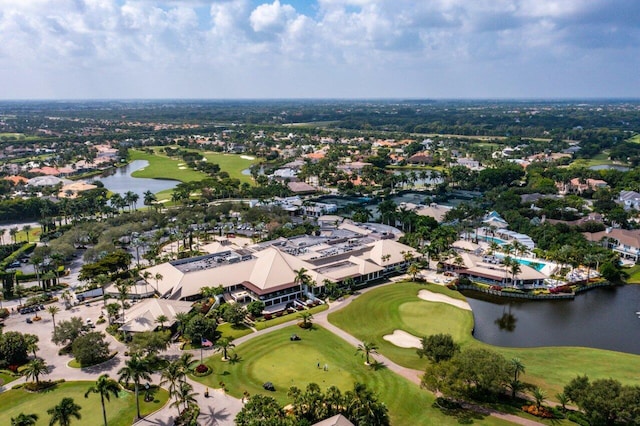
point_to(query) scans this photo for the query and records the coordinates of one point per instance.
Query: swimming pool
(538, 266)
(492, 239)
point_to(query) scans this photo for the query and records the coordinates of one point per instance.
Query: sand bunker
(182, 167)
(437, 297)
(247, 157)
(403, 339)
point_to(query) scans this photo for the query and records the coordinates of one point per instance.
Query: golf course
(121, 411)
(397, 307)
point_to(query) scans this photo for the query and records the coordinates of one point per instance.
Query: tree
(563, 399)
(53, 310)
(518, 368)
(24, 420)
(112, 311)
(90, 348)
(302, 279)
(182, 318)
(363, 407)
(438, 347)
(149, 343)
(413, 270)
(27, 230)
(161, 319)
(172, 376)
(184, 395)
(67, 331)
(255, 308)
(262, 410)
(123, 287)
(234, 314)
(13, 347)
(306, 318)
(35, 368)
(63, 412)
(200, 327)
(105, 387)
(538, 396)
(32, 343)
(135, 370)
(224, 344)
(367, 348)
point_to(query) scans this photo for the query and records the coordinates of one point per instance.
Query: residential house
(626, 242)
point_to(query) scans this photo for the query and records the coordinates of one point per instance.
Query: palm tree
(161, 319)
(24, 420)
(563, 399)
(13, 232)
(302, 279)
(123, 291)
(102, 280)
(53, 310)
(515, 270)
(135, 370)
(35, 368)
(518, 369)
(367, 348)
(224, 344)
(172, 376)
(27, 229)
(32, 343)
(158, 277)
(306, 318)
(149, 198)
(185, 395)
(539, 396)
(185, 361)
(63, 412)
(105, 387)
(413, 270)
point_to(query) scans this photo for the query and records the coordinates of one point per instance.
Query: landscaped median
(384, 310)
(121, 411)
(275, 358)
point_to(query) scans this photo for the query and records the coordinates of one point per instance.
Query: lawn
(634, 274)
(380, 311)
(261, 325)
(120, 411)
(5, 378)
(162, 167)
(233, 331)
(601, 159)
(34, 234)
(634, 139)
(273, 357)
(232, 164)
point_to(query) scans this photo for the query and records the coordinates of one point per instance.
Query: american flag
(206, 343)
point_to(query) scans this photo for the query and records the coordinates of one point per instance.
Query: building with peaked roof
(629, 199)
(623, 241)
(494, 219)
(337, 420)
(267, 271)
(143, 316)
(491, 270)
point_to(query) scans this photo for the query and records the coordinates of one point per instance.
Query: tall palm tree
(105, 387)
(53, 310)
(518, 369)
(302, 279)
(63, 412)
(123, 287)
(24, 420)
(158, 277)
(172, 376)
(102, 280)
(185, 395)
(135, 369)
(515, 270)
(367, 348)
(13, 232)
(224, 344)
(35, 368)
(27, 229)
(413, 270)
(32, 343)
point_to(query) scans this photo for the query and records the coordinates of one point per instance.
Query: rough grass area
(634, 275)
(380, 311)
(120, 411)
(273, 357)
(233, 164)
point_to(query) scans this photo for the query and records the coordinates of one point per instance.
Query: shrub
(267, 316)
(202, 370)
(538, 411)
(4, 312)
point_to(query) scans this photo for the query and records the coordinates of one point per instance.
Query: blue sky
(319, 49)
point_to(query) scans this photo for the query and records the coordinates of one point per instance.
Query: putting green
(418, 318)
(120, 411)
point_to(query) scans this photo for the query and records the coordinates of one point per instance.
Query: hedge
(26, 248)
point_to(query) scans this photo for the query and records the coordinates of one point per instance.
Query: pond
(120, 181)
(610, 167)
(603, 318)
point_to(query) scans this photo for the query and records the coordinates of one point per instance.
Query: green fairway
(634, 275)
(380, 311)
(634, 139)
(162, 167)
(601, 159)
(6, 378)
(120, 411)
(273, 357)
(233, 164)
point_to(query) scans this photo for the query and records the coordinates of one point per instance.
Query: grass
(120, 411)
(634, 275)
(261, 325)
(601, 159)
(232, 164)
(634, 138)
(233, 331)
(6, 378)
(21, 236)
(379, 312)
(273, 357)
(162, 167)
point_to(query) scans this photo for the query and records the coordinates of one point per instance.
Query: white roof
(142, 316)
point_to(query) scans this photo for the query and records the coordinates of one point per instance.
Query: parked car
(29, 321)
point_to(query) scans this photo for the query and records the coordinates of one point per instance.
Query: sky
(232, 49)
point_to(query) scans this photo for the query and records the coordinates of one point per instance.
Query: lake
(603, 318)
(120, 181)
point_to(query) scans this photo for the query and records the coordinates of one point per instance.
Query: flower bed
(538, 411)
(202, 370)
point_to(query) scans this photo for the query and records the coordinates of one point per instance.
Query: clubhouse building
(348, 252)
